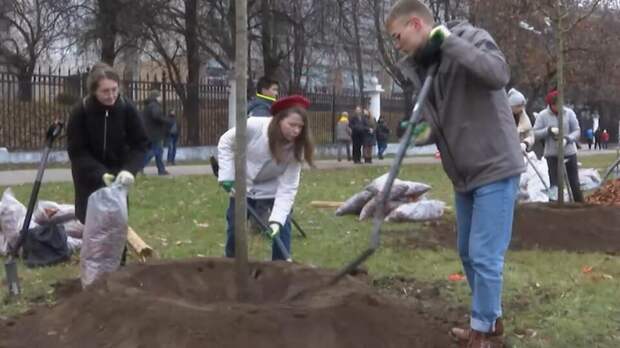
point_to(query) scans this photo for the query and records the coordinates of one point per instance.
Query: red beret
(550, 99)
(289, 102)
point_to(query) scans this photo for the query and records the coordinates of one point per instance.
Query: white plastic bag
(589, 179)
(354, 204)
(531, 188)
(417, 211)
(410, 189)
(105, 233)
(369, 209)
(12, 214)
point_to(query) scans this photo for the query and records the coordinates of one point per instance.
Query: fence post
(333, 113)
(163, 93)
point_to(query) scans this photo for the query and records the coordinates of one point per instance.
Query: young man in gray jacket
(473, 127)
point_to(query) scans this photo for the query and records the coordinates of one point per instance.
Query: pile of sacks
(13, 212)
(407, 202)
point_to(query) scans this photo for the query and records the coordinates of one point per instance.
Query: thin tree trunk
(192, 109)
(560, 106)
(241, 63)
(107, 29)
(358, 51)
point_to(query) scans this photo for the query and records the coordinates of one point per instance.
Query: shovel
(10, 265)
(216, 169)
(375, 238)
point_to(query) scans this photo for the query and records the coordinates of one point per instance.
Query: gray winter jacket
(156, 123)
(468, 109)
(343, 131)
(547, 119)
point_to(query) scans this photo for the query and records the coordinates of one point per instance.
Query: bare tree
(34, 27)
(173, 41)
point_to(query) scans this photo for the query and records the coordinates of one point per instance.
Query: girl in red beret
(276, 149)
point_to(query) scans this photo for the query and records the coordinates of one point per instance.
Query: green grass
(544, 291)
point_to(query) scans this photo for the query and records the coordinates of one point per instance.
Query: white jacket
(265, 178)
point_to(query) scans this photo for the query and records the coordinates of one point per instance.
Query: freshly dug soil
(192, 304)
(572, 227)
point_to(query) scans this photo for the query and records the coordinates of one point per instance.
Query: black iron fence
(28, 107)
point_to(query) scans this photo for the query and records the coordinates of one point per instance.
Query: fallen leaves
(606, 194)
(456, 277)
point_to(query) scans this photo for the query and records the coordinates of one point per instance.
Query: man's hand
(524, 147)
(227, 185)
(420, 134)
(439, 34)
(431, 52)
(124, 178)
(274, 229)
(107, 179)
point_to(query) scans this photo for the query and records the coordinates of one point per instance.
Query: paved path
(25, 176)
(17, 177)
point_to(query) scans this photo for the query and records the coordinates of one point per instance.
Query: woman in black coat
(370, 139)
(106, 140)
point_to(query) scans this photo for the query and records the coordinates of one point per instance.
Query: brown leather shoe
(479, 339)
(463, 334)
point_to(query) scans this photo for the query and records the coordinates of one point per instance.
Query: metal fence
(27, 108)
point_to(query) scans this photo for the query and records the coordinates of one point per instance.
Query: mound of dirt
(571, 227)
(192, 304)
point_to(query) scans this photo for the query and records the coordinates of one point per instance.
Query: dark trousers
(368, 153)
(571, 170)
(343, 144)
(156, 150)
(381, 147)
(172, 148)
(357, 143)
(257, 204)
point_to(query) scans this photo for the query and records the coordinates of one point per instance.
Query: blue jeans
(156, 150)
(172, 148)
(285, 232)
(381, 147)
(484, 226)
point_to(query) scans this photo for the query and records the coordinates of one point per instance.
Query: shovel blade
(12, 280)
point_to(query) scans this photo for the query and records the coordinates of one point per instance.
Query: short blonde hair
(408, 7)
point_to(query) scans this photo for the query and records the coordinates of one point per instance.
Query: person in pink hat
(276, 148)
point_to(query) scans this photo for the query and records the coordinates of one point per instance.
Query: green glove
(439, 34)
(421, 133)
(227, 185)
(108, 179)
(274, 229)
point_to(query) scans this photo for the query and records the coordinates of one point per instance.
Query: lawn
(549, 302)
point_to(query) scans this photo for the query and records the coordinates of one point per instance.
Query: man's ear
(416, 21)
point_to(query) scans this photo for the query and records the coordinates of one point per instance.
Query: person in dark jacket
(370, 139)
(383, 133)
(157, 126)
(357, 134)
(173, 138)
(106, 140)
(471, 123)
(267, 93)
